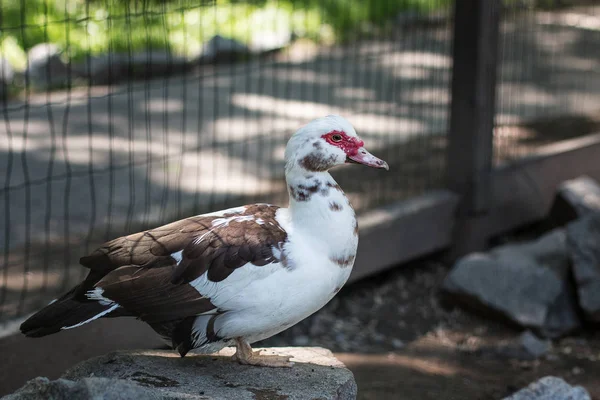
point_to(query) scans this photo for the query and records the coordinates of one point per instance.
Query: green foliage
(83, 27)
(14, 54)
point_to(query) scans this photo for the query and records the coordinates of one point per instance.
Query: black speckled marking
(285, 260)
(303, 192)
(333, 206)
(343, 262)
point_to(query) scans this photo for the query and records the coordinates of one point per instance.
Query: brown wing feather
(220, 251)
(148, 247)
(139, 272)
(149, 294)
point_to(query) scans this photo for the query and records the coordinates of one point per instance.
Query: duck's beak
(365, 158)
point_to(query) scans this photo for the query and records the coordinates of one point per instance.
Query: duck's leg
(245, 355)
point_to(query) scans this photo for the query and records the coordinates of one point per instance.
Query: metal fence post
(470, 139)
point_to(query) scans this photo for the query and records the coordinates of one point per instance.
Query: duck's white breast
(260, 301)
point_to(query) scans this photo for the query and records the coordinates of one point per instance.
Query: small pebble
(525, 365)
(577, 371)
(534, 345)
(397, 344)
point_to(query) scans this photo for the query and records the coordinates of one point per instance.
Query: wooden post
(470, 140)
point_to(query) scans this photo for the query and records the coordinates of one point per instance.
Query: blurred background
(118, 116)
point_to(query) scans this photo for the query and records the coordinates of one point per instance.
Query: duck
(232, 277)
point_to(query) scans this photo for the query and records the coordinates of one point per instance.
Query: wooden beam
(470, 148)
(522, 192)
(472, 110)
(404, 231)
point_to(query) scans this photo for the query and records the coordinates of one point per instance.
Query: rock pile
(583, 241)
(550, 388)
(550, 285)
(48, 68)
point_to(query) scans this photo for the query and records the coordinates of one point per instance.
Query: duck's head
(326, 142)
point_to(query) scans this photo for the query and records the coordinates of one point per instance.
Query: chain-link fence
(549, 80)
(117, 116)
(124, 115)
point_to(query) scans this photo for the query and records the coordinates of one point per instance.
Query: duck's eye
(336, 138)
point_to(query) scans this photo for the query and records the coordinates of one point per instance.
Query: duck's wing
(148, 274)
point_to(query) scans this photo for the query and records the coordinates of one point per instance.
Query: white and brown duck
(236, 276)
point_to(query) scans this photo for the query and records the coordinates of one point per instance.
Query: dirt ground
(401, 343)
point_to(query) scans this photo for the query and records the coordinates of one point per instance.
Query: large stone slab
(550, 388)
(163, 374)
(583, 238)
(526, 283)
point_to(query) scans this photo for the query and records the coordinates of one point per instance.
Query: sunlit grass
(82, 27)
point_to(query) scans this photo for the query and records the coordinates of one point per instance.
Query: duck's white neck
(319, 208)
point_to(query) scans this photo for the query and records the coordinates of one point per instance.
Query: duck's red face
(353, 147)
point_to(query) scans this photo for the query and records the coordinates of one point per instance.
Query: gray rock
(84, 389)
(526, 347)
(219, 48)
(583, 237)
(575, 198)
(527, 284)
(157, 63)
(549, 250)
(102, 69)
(163, 374)
(45, 68)
(550, 388)
(107, 68)
(112, 68)
(533, 345)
